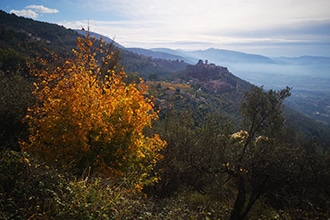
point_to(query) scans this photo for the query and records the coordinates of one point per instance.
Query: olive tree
(254, 153)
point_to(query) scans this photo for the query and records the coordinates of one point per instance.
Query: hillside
(29, 37)
(156, 54)
(207, 88)
(99, 36)
(307, 75)
(32, 39)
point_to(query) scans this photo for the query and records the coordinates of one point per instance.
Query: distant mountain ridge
(221, 56)
(157, 54)
(99, 36)
(214, 55)
(302, 60)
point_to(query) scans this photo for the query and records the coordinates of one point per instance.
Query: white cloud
(25, 13)
(42, 9)
(221, 13)
(33, 11)
(195, 24)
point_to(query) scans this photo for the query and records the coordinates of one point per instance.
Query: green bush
(15, 97)
(25, 187)
(32, 190)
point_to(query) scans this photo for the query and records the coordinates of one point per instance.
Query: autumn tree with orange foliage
(87, 117)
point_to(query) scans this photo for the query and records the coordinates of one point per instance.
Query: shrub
(86, 116)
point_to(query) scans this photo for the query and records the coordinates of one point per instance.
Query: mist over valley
(308, 76)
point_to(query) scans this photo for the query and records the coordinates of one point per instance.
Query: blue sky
(267, 27)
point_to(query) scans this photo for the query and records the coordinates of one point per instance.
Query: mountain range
(309, 76)
(300, 73)
(219, 56)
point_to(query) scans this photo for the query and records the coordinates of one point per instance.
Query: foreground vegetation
(82, 139)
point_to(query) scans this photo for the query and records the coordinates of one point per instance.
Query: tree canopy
(87, 117)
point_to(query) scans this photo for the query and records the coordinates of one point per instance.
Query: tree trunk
(251, 202)
(237, 212)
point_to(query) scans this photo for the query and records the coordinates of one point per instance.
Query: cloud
(33, 11)
(192, 24)
(25, 13)
(42, 9)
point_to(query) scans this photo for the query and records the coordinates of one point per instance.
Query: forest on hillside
(81, 138)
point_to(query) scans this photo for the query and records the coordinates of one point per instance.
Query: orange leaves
(87, 116)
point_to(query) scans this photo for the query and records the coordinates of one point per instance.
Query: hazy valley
(308, 76)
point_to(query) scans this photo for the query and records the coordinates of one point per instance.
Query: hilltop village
(210, 77)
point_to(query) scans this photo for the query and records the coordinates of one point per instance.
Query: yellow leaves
(234, 168)
(82, 121)
(27, 161)
(261, 139)
(139, 187)
(239, 137)
(140, 154)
